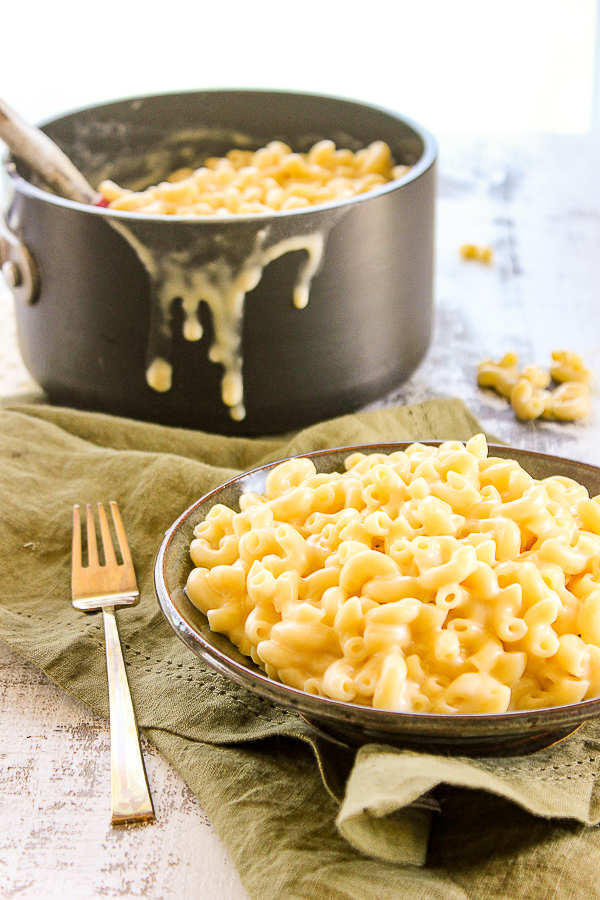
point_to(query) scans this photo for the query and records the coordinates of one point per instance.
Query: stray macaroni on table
(427, 580)
(528, 392)
(483, 254)
(271, 178)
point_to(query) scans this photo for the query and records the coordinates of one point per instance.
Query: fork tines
(108, 583)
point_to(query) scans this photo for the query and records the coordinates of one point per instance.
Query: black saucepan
(106, 311)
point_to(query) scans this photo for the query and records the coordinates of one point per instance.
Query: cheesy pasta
(432, 579)
(271, 178)
(528, 389)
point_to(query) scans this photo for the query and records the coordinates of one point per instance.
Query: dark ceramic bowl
(492, 734)
(108, 286)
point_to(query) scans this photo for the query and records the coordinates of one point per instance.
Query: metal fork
(105, 586)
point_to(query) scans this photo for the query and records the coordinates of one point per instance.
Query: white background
(460, 67)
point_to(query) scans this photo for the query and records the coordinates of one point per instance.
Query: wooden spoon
(42, 155)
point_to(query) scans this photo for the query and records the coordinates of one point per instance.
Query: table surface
(536, 200)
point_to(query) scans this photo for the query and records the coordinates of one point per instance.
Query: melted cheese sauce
(222, 284)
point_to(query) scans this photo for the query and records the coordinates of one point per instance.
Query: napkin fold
(302, 818)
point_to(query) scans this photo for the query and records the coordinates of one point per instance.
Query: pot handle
(18, 266)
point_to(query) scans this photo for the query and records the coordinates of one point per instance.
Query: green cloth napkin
(302, 819)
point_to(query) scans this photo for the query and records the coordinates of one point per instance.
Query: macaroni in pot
(429, 580)
(271, 178)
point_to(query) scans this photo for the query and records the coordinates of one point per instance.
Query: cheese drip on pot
(223, 284)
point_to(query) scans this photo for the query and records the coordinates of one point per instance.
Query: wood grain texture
(537, 201)
(56, 839)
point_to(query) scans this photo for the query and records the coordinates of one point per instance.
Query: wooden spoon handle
(41, 153)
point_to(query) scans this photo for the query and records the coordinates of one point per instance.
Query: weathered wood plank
(56, 839)
(536, 200)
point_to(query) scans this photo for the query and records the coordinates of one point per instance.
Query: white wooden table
(537, 201)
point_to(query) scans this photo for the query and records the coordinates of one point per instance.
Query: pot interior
(138, 142)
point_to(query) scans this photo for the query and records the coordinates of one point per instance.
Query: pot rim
(425, 162)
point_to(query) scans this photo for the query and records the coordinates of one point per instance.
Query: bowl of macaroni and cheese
(264, 259)
(441, 596)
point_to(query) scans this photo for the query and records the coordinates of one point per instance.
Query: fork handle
(131, 801)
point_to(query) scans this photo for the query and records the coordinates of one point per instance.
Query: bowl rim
(423, 164)
(325, 709)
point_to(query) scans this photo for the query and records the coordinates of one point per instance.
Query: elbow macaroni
(483, 254)
(272, 178)
(435, 579)
(527, 390)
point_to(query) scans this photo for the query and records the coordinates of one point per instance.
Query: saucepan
(108, 304)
